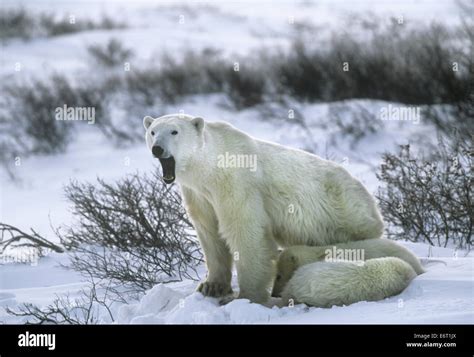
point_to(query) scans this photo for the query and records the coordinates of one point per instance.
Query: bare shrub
(93, 306)
(417, 66)
(407, 66)
(412, 66)
(31, 108)
(453, 120)
(53, 26)
(301, 73)
(352, 122)
(246, 87)
(111, 54)
(12, 146)
(134, 233)
(429, 199)
(197, 73)
(24, 24)
(13, 237)
(16, 23)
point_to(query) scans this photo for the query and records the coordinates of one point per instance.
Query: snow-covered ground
(442, 295)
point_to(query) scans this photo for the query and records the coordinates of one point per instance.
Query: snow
(444, 294)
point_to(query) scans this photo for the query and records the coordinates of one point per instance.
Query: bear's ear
(147, 121)
(198, 123)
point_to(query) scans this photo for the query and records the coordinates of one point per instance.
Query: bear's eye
(174, 132)
(278, 277)
(152, 133)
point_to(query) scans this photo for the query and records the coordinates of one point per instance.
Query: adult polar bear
(290, 198)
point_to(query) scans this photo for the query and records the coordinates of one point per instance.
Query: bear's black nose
(157, 151)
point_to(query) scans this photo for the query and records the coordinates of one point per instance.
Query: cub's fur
(324, 284)
(295, 257)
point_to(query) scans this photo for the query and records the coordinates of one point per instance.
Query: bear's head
(286, 265)
(173, 139)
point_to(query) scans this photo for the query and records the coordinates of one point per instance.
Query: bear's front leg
(255, 261)
(248, 234)
(216, 253)
(219, 265)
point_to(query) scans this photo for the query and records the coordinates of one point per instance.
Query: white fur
(242, 215)
(324, 284)
(295, 257)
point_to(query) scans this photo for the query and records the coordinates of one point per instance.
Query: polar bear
(324, 284)
(291, 259)
(246, 197)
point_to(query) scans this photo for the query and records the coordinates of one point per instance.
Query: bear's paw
(214, 289)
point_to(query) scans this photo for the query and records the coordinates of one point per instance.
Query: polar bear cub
(324, 284)
(291, 259)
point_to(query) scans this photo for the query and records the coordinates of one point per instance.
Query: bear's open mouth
(168, 168)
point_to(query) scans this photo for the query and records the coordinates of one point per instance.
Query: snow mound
(165, 305)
